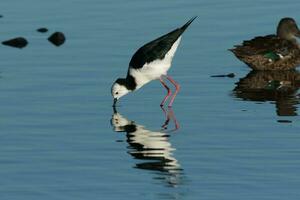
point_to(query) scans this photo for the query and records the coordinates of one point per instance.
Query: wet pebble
(18, 42)
(57, 38)
(284, 121)
(42, 30)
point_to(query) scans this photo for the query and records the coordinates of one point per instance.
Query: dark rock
(18, 42)
(42, 30)
(1, 16)
(284, 121)
(231, 75)
(57, 38)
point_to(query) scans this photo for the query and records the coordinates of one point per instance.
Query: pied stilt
(151, 62)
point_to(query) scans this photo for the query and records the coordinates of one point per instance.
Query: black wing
(158, 48)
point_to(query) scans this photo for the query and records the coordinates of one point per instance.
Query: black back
(158, 48)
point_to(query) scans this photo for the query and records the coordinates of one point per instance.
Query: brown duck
(272, 52)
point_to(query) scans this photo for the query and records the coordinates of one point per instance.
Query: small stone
(284, 121)
(42, 30)
(57, 38)
(18, 42)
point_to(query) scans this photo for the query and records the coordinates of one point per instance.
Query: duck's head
(288, 29)
(119, 89)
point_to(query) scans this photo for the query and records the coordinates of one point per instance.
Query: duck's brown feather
(252, 52)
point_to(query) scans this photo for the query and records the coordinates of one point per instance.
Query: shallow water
(237, 138)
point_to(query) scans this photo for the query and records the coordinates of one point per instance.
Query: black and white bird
(151, 62)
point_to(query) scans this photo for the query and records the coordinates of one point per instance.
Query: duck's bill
(115, 102)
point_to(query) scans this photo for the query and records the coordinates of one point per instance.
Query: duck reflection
(152, 148)
(279, 87)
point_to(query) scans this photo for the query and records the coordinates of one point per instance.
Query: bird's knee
(169, 91)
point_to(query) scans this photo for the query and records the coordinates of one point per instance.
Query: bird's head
(119, 89)
(288, 29)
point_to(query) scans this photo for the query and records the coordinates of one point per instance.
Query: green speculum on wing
(272, 56)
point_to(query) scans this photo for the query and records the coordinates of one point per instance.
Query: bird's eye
(117, 92)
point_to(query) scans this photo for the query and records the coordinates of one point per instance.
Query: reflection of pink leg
(177, 86)
(168, 94)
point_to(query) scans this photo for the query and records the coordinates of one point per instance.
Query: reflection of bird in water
(152, 147)
(278, 86)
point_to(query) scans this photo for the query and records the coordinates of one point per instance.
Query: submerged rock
(57, 38)
(42, 30)
(284, 121)
(18, 42)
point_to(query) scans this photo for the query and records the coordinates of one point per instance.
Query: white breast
(155, 69)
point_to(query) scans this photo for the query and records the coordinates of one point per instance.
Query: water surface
(58, 139)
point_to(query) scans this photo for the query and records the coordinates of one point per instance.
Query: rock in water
(18, 42)
(42, 30)
(57, 38)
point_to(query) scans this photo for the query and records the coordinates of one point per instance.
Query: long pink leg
(170, 115)
(168, 94)
(165, 125)
(177, 87)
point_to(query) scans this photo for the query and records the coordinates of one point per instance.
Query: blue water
(58, 133)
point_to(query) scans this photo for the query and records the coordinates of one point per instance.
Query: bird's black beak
(115, 110)
(115, 102)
